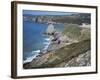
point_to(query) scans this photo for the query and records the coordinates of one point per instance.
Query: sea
(34, 40)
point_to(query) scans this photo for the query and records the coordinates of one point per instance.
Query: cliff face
(75, 54)
(50, 29)
(68, 48)
(80, 60)
(75, 18)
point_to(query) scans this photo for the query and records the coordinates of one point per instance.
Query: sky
(43, 13)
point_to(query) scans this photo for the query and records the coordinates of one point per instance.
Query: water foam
(35, 53)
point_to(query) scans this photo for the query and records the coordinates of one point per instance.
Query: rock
(82, 60)
(50, 29)
(73, 55)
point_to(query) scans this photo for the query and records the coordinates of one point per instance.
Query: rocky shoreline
(53, 58)
(64, 51)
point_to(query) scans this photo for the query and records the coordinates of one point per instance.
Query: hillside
(73, 31)
(62, 55)
(67, 45)
(78, 18)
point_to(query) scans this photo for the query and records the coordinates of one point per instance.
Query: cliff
(75, 18)
(63, 57)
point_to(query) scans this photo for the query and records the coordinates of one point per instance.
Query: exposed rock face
(72, 51)
(75, 54)
(50, 29)
(81, 60)
(74, 18)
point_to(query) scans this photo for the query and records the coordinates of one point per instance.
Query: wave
(35, 54)
(37, 51)
(47, 39)
(46, 43)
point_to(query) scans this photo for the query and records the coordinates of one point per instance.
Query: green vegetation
(57, 57)
(85, 34)
(72, 31)
(78, 18)
(66, 53)
(68, 19)
(78, 37)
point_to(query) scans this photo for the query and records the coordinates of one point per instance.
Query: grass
(85, 34)
(66, 53)
(72, 31)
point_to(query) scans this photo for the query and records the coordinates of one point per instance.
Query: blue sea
(34, 40)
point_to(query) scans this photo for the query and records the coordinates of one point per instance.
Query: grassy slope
(66, 53)
(85, 34)
(68, 19)
(72, 31)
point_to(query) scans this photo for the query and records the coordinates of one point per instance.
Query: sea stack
(50, 29)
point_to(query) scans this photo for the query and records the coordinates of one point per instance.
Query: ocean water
(34, 40)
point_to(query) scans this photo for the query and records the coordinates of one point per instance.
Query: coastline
(48, 59)
(38, 53)
(55, 54)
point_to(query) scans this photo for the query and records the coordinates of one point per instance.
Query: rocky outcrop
(75, 54)
(73, 50)
(81, 60)
(50, 29)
